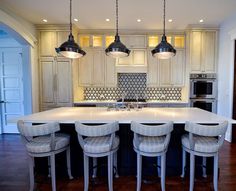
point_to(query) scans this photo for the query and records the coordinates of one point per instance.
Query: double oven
(203, 91)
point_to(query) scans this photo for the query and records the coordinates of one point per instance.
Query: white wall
(226, 70)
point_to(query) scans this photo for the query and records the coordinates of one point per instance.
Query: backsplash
(132, 85)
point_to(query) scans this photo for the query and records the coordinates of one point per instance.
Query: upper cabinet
(134, 41)
(203, 51)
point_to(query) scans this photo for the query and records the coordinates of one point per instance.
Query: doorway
(11, 86)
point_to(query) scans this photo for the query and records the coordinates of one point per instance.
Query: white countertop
(148, 115)
(113, 101)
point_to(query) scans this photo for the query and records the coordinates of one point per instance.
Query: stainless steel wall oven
(203, 91)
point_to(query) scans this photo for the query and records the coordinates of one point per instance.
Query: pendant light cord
(70, 17)
(117, 17)
(164, 18)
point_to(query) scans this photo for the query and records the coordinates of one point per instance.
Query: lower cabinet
(55, 82)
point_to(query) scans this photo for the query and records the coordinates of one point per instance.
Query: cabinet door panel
(98, 68)
(209, 51)
(62, 36)
(195, 51)
(111, 75)
(85, 69)
(47, 43)
(152, 74)
(165, 72)
(47, 81)
(137, 41)
(63, 82)
(126, 61)
(178, 65)
(139, 57)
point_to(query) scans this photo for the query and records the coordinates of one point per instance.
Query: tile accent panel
(132, 84)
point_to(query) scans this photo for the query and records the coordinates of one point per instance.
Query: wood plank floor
(14, 173)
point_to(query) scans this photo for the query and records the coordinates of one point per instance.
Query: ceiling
(92, 13)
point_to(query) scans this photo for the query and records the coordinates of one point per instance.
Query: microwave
(203, 86)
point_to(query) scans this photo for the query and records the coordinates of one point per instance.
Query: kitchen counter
(68, 115)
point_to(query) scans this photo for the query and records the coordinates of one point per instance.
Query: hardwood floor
(14, 173)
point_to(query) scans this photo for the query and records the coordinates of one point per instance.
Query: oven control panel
(203, 76)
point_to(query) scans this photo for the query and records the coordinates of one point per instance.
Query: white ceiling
(92, 13)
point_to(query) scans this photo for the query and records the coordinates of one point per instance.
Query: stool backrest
(37, 130)
(96, 130)
(152, 130)
(207, 131)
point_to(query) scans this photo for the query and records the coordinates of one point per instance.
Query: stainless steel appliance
(203, 91)
(203, 86)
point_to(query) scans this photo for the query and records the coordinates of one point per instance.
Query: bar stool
(42, 141)
(100, 141)
(151, 141)
(204, 141)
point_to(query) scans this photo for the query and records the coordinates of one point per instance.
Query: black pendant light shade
(164, 50)
(117, 49)
(70, 48)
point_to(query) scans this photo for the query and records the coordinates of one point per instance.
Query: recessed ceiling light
(170, 20)
(201, 21)
(107, 20)
(45, 20)
(139, 20)
(76, 20)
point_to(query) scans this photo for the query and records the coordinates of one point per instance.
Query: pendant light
(70, 48)
(164, 50)
(117, 49)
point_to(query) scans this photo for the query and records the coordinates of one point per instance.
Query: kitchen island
(66, 116)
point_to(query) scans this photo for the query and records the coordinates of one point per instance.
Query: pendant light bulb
(117, 49)
(164, 50)
(70, 49)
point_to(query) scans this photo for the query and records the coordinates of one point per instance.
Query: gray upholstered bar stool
(99, 141)
(204, 141)
(151, 141)
(42, 141)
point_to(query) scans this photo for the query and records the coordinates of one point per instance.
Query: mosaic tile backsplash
(132, 85)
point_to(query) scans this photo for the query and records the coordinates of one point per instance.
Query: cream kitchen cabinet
(110, 72)
(135, 62)
(55, 82)
(168, 72)
(203, 51)
(92, 68)
(49, 40)
(134, 41)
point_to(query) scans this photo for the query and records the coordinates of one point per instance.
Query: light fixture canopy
(70, 48)
(117, 49)
(164, 50)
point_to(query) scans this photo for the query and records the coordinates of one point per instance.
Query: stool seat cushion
(100, 144)
(202, 144)
(42, 144)
(150, 144)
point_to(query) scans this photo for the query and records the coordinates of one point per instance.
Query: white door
(11, 87)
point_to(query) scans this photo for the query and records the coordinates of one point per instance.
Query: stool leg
(204, 161)
(115, 164)
(110, 172)
(139, 171)
(159, 166)
(53, 172)
(94, 167)
(86, 172)
(183, 163)
(31, 172)
(49, 167)
(163, 172)
(192, 169)
(216, 172)
(68, 163)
